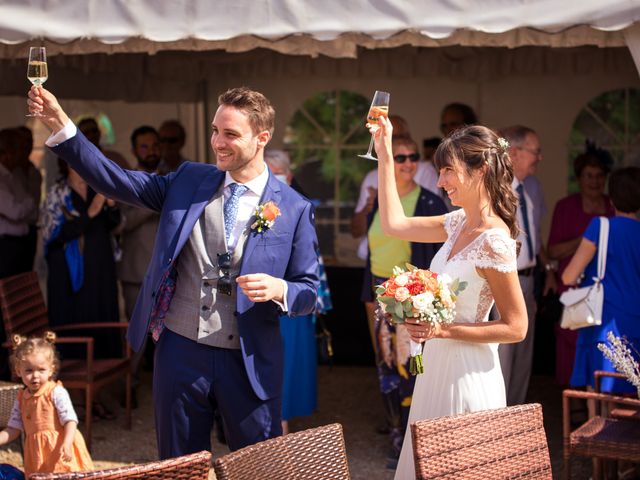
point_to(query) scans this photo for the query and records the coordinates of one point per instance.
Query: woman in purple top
(571, 216)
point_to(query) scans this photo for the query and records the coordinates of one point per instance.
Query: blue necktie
(231, 207)
(525, 218)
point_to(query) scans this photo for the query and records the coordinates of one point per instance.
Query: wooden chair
(25, 313)
(314, 454)
(602, 436)
(188, 467)
(503, 443)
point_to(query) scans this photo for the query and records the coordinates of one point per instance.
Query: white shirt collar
(256, 185)
(516, 182)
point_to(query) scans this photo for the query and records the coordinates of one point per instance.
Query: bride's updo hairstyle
(472, 148)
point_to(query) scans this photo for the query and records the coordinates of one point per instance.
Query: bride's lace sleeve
(452, 221)
(498, 251)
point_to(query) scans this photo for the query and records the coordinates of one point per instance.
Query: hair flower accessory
(503, 143)
(266, 214)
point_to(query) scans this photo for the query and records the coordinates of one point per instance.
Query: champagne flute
(37, 71)
(379, 108)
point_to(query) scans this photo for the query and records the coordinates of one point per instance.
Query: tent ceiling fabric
(180, 76)
(334, 28)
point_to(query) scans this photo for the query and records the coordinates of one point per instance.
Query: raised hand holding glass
(379, 108)
(37, 71)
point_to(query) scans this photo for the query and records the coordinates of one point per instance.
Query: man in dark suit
(219, 276)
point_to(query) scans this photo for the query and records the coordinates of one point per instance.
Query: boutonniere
(266, 214)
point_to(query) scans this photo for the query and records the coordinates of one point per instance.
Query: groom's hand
(43, 102)
(260, 287)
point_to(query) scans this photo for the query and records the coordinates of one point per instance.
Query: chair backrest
(23, 308)
(189, 467)
(503, 443)
(8, 394)
(314, 454)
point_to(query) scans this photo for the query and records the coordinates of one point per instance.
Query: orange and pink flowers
(266, 215)
(422, 295)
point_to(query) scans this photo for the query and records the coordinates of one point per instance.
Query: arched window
(324, 137)
(612, 121)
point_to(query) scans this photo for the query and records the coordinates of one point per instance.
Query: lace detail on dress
(485, 302)
(452, 220)
(496, 250)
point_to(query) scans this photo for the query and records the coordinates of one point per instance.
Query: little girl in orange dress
(43, 410)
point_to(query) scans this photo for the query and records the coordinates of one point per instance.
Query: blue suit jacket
(286, 251)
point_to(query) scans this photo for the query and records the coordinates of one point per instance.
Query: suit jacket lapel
(201, 197)
(271, 193)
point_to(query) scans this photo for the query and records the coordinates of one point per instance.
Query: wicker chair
(189, 467)
(601, 436)
(25, 313)
(314, 454)
(8, 394)
(503, 443)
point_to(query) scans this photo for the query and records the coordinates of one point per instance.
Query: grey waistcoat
(197, 311)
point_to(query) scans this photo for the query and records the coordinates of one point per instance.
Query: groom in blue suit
(218, 279)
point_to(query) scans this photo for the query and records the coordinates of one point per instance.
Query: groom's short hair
(261, 114)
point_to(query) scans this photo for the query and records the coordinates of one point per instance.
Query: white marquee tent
(111, 36)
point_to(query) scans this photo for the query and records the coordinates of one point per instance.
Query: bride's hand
(382, 134)
(422, 331)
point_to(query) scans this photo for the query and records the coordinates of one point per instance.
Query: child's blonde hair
(23, 347)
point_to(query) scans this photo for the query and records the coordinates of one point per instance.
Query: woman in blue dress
(621, 281)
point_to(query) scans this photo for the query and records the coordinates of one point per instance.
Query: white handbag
(583, 306)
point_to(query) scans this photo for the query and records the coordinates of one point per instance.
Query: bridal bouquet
(421, 295)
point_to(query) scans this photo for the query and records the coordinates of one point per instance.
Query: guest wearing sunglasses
(385, 252)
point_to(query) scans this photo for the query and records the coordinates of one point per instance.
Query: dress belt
(526, 272)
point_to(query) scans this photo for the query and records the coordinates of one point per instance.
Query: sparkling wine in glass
(379, 108)
(37, 71)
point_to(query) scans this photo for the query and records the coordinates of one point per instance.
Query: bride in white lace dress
(462, 369)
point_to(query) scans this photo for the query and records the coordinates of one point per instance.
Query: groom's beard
(238, 160)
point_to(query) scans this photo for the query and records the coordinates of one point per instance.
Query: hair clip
(503, 143)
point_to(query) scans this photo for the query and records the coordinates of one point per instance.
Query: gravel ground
(347, 395)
